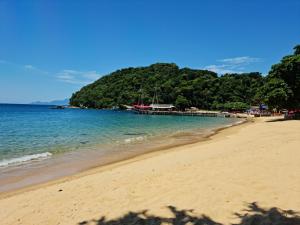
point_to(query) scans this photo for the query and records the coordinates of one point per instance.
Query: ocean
(39, 143)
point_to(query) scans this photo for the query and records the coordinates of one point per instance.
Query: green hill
(183, 87)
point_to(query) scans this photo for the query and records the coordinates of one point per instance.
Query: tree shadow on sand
(252, 215)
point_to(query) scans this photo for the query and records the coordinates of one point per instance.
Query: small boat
(140, 104)
(142, 107)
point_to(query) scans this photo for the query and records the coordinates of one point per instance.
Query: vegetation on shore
(282, 85)
(204, 89)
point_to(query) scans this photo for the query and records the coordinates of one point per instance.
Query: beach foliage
(282, 87)
(275, 93)
(236, 106)
(181, 102)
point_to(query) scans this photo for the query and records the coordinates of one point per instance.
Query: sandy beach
(253, 162)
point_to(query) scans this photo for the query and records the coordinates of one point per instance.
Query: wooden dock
(180, 113)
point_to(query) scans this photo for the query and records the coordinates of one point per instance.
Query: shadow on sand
(252, 215)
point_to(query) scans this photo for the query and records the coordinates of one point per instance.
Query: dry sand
(258, 161)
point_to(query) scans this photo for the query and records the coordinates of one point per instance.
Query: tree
(200, 88)
(297, 50)
(189, 87)
(235, 106)
(275, 93)
(181, 102)
(288, 70)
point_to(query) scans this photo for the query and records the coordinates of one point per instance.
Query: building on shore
(162, 107)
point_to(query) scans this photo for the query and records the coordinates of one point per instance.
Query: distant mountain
(55, 102)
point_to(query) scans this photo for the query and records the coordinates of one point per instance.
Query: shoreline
(125, 160)
(255, 162)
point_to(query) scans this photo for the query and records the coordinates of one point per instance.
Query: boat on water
(141, 107)
(155, 106)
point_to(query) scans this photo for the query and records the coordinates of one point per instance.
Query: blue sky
(50, 49)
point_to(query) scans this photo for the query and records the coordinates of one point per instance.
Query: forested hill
(182, 87)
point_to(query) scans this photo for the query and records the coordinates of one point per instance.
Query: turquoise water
(29, 132)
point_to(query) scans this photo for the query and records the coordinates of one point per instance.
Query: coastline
(63, 166)
(253, 162)
(125, 159)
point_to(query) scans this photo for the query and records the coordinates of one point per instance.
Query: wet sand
(253, 162)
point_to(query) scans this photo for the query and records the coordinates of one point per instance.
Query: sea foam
(25, 158)
(134, 139)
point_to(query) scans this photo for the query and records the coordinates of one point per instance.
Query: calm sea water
(28, 132)
(38, 144)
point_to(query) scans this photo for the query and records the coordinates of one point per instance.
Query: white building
(162, 107)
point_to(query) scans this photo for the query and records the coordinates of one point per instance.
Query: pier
(182, 113)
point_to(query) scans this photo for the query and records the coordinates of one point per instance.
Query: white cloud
(221, 69)
(77, 77)
(240, 60)
(232, 65)
(67, 75)
(32, 68)
(93, 75)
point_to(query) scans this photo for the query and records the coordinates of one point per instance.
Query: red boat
(142, 107)
(140, 104)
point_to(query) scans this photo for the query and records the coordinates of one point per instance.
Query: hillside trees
(282, 87)
(183, 87)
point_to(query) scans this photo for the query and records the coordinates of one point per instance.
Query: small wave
(239, 122)
(25, 158)
(134, 139)
(228, 125)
